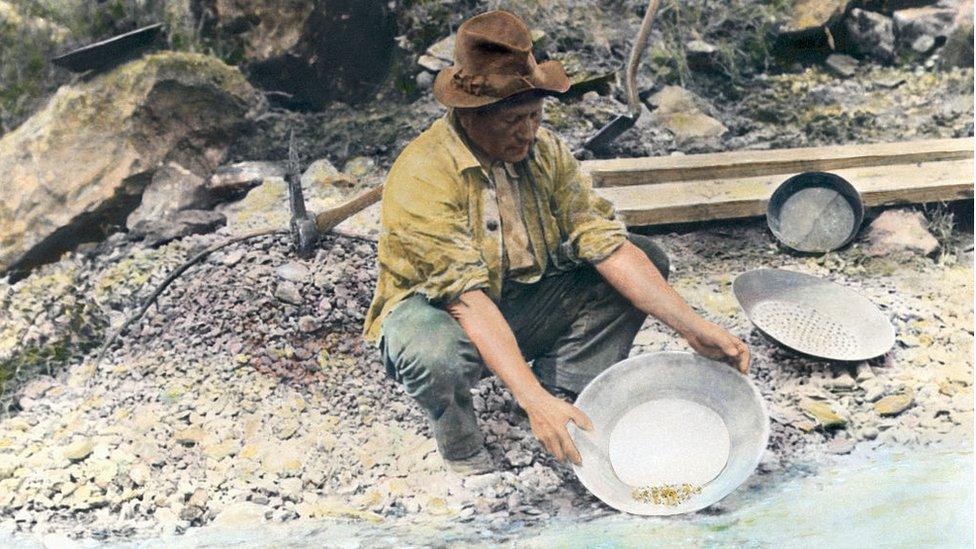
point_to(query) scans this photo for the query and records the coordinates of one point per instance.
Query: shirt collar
(458, 146)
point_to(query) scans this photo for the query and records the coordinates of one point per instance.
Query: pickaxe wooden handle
(327, 220)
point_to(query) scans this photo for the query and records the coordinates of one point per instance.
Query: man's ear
(464, 117)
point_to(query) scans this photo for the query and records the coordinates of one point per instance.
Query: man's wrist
(690, 326)
(528, 397)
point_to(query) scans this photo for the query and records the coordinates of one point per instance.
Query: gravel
(230, 399)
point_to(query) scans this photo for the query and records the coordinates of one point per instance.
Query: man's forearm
(490, 333)
(631, 273)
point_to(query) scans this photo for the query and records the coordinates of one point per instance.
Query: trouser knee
(654, 252)
(427, 350)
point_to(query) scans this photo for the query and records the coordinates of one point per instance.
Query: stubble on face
(504, 133)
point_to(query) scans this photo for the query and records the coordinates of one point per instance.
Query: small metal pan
(815, 212)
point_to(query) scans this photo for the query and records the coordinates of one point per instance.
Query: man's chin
(518, 156)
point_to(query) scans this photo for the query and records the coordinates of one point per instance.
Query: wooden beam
(647, 170)
(708, 199)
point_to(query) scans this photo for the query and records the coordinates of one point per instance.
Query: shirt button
(492, 225)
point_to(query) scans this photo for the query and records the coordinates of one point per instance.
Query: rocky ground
(247, 394)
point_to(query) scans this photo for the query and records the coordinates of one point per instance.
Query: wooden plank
(679, 202)
(647, 170)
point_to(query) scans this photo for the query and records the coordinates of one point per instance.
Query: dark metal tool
(303, 230)
(624, 122)
(109, 52)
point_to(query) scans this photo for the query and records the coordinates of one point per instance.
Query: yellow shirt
(518, 260)
(440, 222)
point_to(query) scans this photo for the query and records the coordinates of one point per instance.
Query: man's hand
(712, 341)
(489, 331)
(548, 416)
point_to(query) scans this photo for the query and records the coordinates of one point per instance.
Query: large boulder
(82, 163)
(869, 34)
(809, 14)
(806, 27)
(310, 52)
(173, 189)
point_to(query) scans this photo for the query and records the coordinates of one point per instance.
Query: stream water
(906, 499)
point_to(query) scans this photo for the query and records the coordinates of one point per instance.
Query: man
(495, 252)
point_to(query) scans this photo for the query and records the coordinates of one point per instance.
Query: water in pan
(804, 329)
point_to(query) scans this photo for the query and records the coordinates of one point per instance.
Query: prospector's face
(505, 133)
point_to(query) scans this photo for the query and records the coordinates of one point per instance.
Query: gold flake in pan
(666, 494)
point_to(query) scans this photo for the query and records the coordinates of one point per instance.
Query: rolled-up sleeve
(428, 240)
(588, 220)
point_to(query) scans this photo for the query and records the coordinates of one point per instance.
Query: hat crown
(493, 60)
(496, 42)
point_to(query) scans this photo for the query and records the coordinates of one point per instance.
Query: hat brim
(548, 76)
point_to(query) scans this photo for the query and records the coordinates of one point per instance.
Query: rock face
(85, 159)
(312, 51)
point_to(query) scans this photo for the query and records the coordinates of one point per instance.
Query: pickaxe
(305, 229)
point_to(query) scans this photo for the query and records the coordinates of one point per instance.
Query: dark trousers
(571, 325)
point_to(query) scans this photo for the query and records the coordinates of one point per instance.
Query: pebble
(308, 324)
(870, 433)
(232, 258)
(843, 382)
(518, 457)
(873, 391)
(287, 291)
(840, 446)
(894, 404)
(191, 435)
(864, 372)
(78, 450)
(823, 413)
(294, 272)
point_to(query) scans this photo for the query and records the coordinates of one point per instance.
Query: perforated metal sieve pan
(814, 316)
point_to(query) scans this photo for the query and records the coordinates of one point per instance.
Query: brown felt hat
(493, 60)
